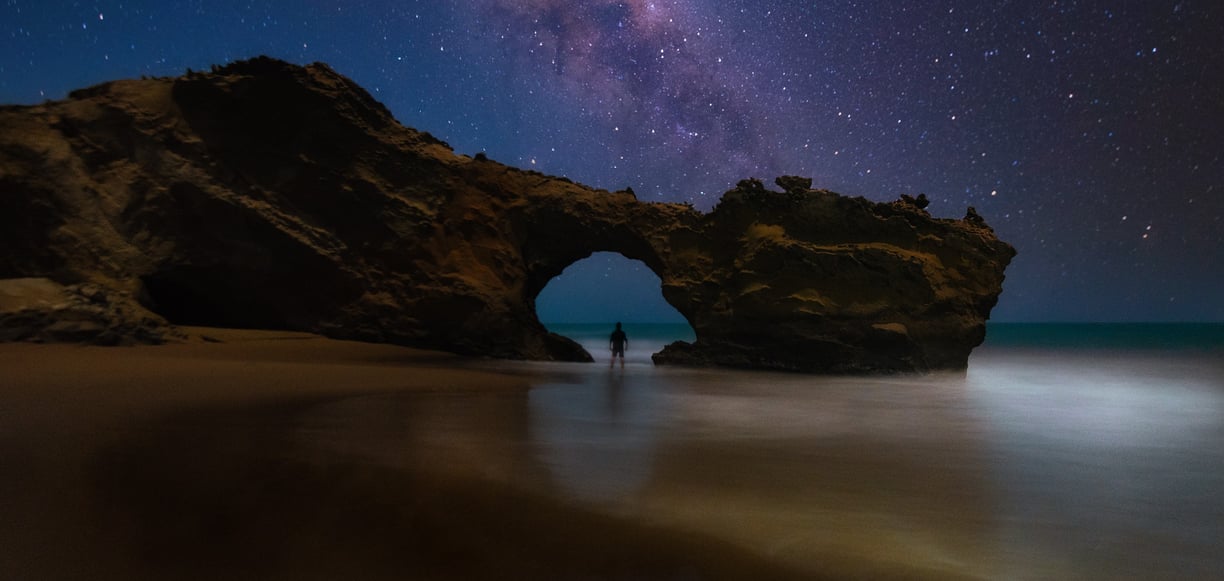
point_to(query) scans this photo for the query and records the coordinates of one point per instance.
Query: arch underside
(605, 288)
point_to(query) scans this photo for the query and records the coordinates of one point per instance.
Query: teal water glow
(648, 338)
(645, 339)
(1106, 335)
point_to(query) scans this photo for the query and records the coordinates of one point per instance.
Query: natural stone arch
(564, 227)
(287, 194)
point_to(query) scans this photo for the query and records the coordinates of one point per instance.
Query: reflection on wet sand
(1090, 466)
(1030, 466)
(824, 475)
(832, 478)
(409, 488)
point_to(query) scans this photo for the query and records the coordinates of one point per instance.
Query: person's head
(618, 326)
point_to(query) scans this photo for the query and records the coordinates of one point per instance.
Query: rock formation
(809, 280)
(43, 311)
(264, 194)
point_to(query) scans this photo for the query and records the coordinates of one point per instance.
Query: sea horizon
(1050, 335)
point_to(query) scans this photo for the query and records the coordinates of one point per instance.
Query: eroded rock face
(808, 280)
(39, 310)
(265, 194)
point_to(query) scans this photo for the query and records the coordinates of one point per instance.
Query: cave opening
(591, 295)
(207, 297)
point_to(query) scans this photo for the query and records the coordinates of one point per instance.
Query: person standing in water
(618, 342)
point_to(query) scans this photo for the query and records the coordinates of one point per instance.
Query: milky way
(650, 79)
(1088, 133)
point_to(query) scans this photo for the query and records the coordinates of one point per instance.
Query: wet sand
(184, 461)
(258, 455)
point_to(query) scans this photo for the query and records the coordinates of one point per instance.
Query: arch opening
(591, 295)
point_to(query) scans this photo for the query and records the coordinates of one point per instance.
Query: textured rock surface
(264, 194)
(809, 280)
(39, 310)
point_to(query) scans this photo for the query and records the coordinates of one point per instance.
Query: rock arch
(307, 204)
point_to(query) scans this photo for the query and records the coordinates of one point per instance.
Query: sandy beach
(271, 455)
(115, 468)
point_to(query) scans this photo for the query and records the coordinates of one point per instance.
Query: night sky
(1088, 133)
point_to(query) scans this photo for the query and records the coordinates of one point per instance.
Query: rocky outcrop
(39, 310)
(808, 280)
(264, 194)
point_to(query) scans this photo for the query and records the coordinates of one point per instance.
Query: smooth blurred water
(645, 339)
(1092, 461)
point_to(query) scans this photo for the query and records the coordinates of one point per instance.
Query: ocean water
(1063, 452)
(645, 339)
(648, 338)
(1171, 337)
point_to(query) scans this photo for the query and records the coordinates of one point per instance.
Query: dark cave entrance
(200, 296)
(586, 300)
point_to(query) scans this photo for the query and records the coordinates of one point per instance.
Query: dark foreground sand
(113, 468)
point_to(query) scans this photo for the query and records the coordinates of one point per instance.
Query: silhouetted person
(618, 341)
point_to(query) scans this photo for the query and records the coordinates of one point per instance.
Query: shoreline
(180, 461)
(272, 455)
(230, 366)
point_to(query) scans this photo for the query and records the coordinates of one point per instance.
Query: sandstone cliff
(264, 194)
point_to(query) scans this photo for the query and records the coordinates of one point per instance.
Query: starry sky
(1088, 133)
